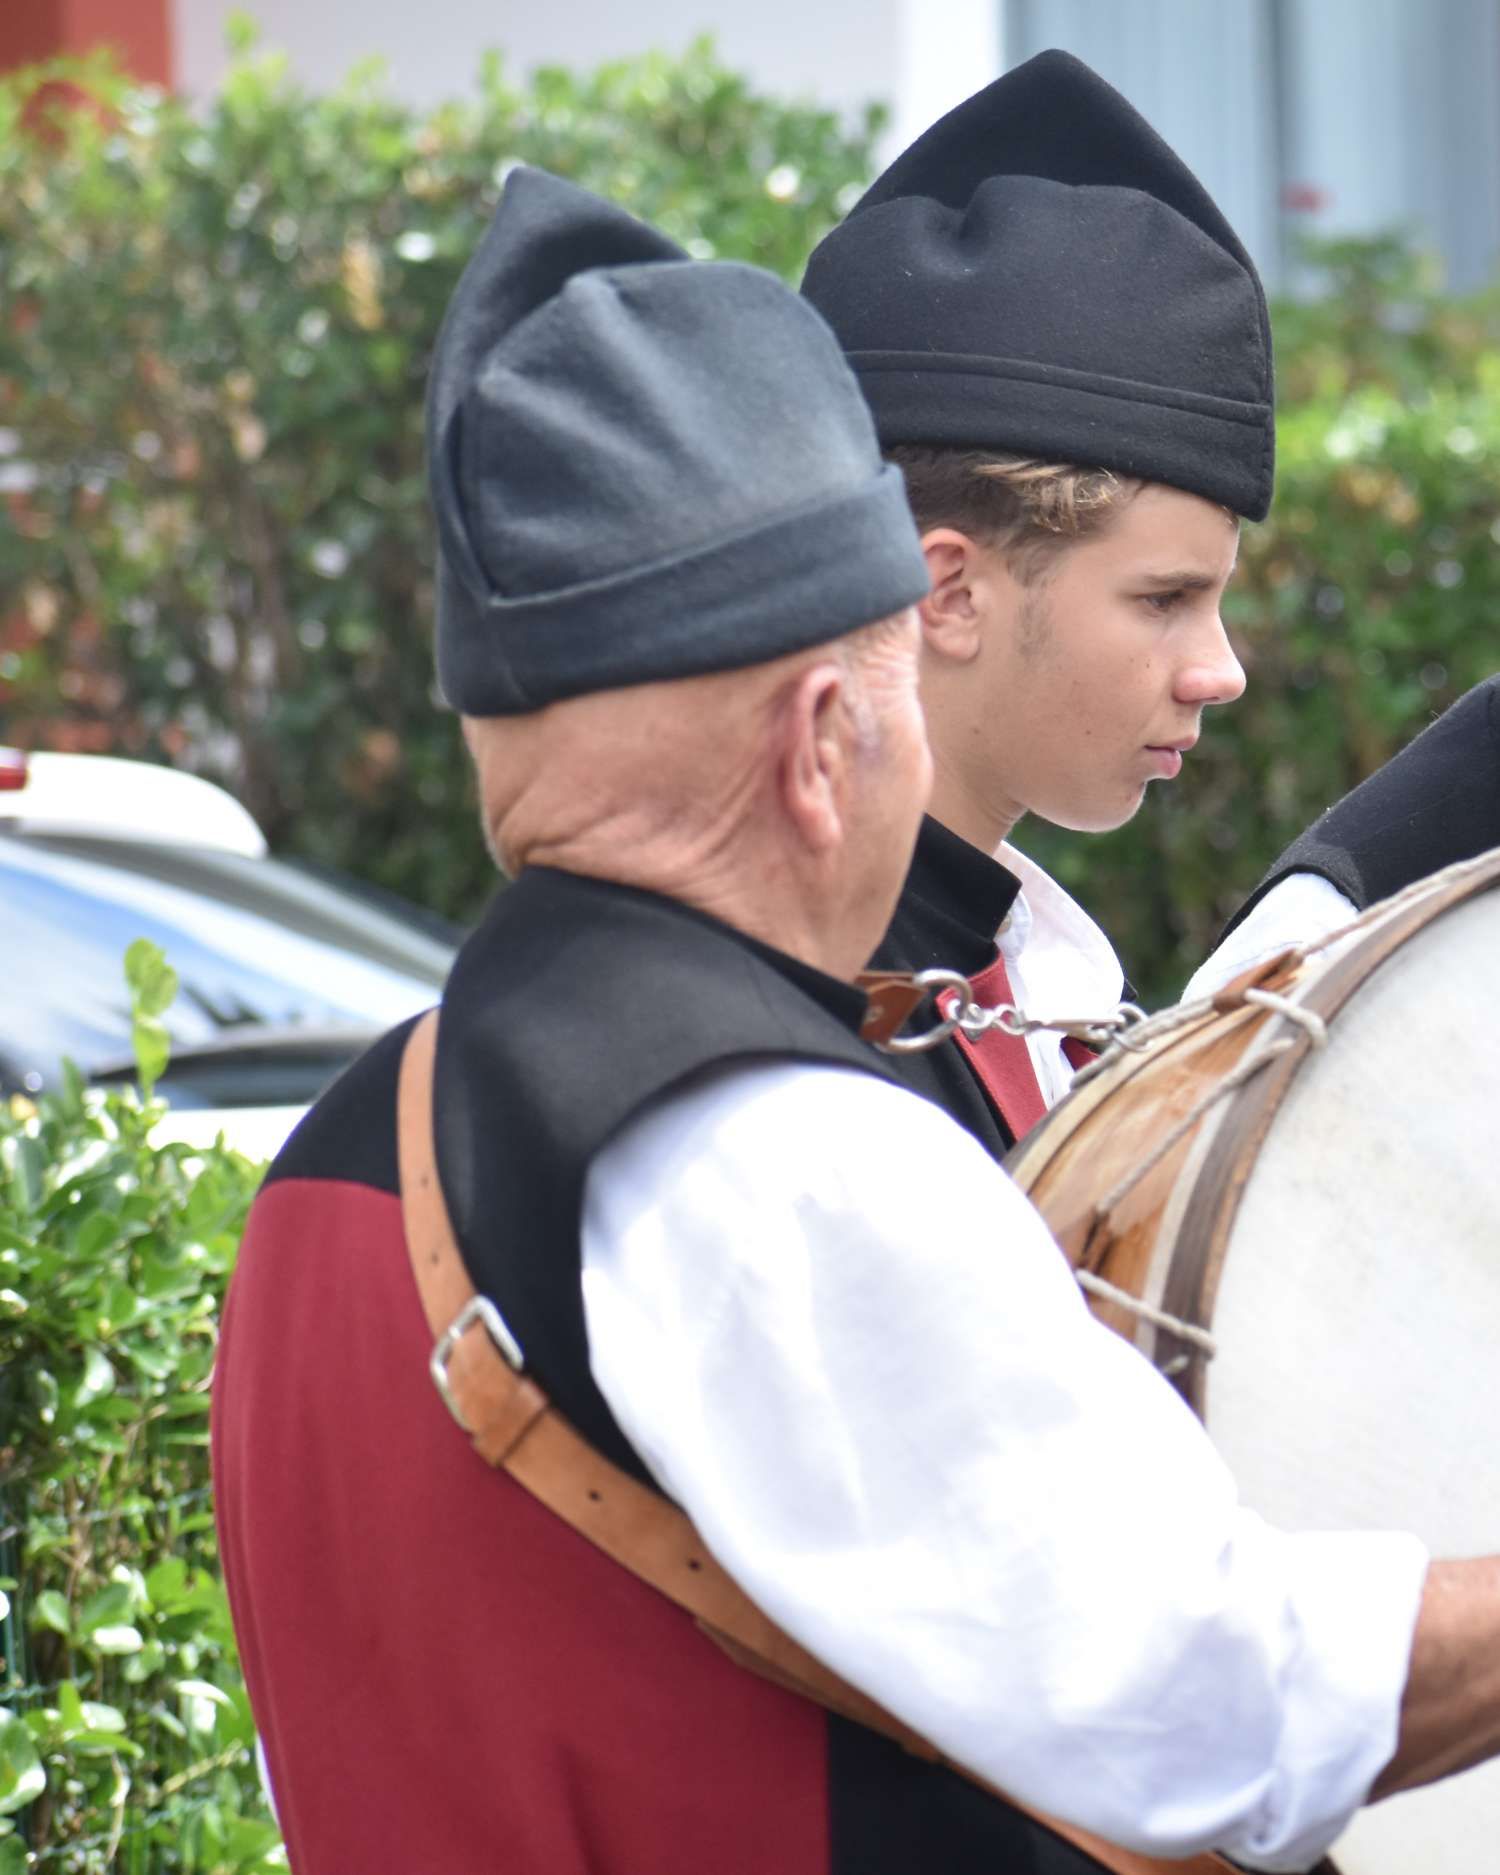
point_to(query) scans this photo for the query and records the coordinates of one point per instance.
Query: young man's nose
(1214, 674)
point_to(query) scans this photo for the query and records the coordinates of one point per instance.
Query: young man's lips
(1168, 756)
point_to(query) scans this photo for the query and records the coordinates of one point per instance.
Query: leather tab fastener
(893, 996)
(514, 1426)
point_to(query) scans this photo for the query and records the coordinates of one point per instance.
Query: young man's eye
(1164, 602)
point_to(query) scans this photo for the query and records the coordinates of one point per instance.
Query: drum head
(1357, 1384)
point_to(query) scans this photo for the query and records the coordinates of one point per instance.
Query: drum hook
(938, 983)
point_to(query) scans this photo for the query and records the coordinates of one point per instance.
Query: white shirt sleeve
(844, 1342)
(1301, 909)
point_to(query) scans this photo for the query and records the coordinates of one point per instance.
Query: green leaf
(50, 1610)
(104, 1744)
(22, 1778)
(201, 1704)
(98, 1378)
(25, 1161)
(116, 1640)
(97, 1232)
(248, 1839)
(167, 1582)
(153, 985)
(107, 1608)
(204, 1689)
(152, 1047)
(142, 1666)
(151, 979)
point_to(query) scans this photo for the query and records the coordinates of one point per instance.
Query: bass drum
(1308, 1171)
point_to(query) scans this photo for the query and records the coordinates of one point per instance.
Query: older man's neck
(757, 893)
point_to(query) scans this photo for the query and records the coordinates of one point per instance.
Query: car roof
(108, 797)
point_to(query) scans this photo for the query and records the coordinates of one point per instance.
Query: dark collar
(840, 999)
(954, 900)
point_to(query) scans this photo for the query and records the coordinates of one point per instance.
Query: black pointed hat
(642, 466)
(1039, 274)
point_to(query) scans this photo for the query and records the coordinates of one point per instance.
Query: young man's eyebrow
(1189, 580)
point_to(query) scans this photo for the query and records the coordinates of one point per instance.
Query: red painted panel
(139, 30)
(29, 32)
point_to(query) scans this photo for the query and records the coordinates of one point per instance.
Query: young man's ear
(813, 769)
(952, 610)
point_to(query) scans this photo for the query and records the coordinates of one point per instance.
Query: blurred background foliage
(214, 330)
(214, 335)
(126, 1742)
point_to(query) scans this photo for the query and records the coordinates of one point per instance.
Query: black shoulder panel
(350, 1133)
(1435, 803)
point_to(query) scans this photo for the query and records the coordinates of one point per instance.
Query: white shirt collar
(1069, 965)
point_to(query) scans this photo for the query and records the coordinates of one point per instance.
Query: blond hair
(1027, 509)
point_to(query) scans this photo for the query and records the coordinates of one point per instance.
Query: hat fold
(800, 579)
(643, 467)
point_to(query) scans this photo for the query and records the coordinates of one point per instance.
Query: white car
(285, 974)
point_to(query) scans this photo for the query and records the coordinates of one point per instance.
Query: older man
(763, 1281)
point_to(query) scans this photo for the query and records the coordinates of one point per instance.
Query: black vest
(1436, 802)
(571, 1008)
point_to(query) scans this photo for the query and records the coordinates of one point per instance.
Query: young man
(1066, 349)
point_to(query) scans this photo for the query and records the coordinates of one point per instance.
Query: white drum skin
(1358, 1314)
(1332, 1217)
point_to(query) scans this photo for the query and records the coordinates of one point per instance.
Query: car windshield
(253, 941)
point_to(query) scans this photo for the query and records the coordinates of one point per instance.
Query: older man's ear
(813, 765)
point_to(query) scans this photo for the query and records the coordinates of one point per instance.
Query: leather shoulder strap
(480, 1373)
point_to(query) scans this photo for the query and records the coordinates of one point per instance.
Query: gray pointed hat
(1040, 274)
(642, 466)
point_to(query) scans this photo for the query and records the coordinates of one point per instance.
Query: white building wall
(1329, 117)
(1201, 71)
(1394, 122)
(920, 59)
(1333, 116)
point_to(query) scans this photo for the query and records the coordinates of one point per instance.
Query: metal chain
(1098, 1031)
(975, 1018)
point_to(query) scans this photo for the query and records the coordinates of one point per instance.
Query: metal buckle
(476, 1309)
(935, 982)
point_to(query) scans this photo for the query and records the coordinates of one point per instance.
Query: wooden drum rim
(1201, 1245)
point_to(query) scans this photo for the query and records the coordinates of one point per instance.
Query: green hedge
(125, 1735)
(213, 336)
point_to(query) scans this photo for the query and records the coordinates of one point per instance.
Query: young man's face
(1089, 681)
